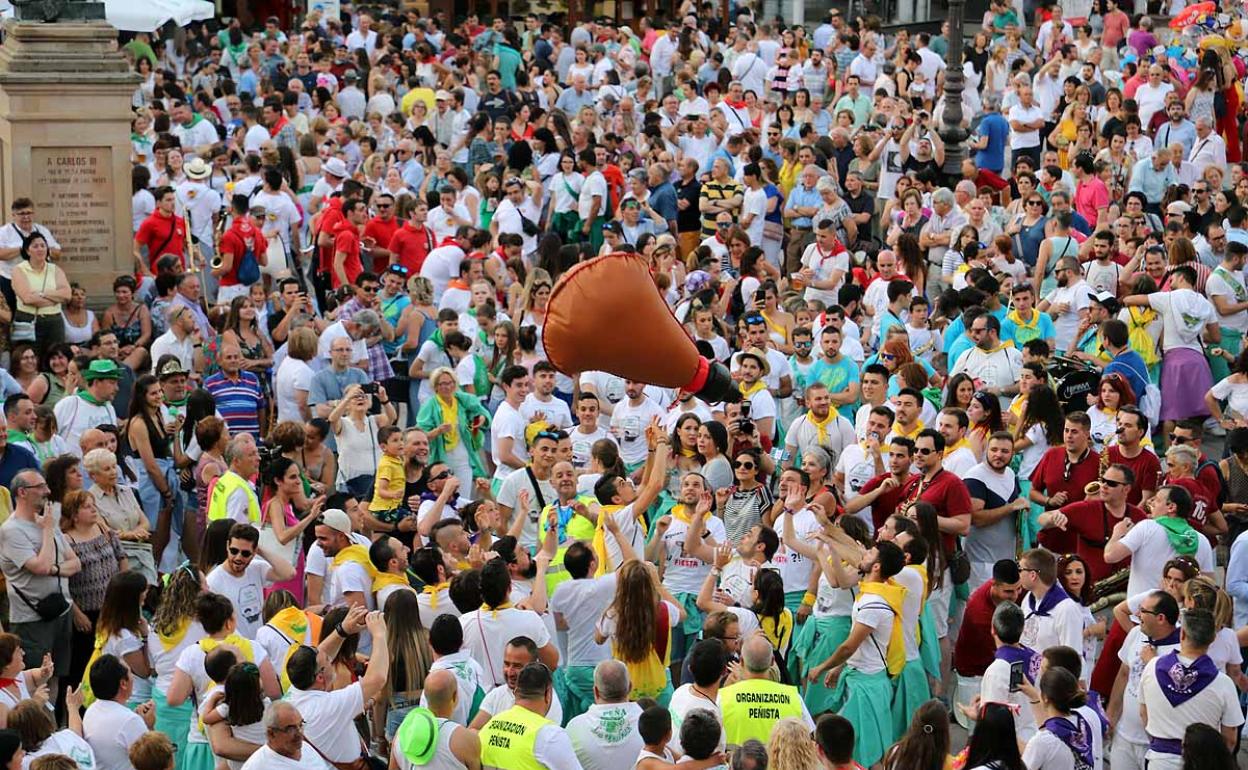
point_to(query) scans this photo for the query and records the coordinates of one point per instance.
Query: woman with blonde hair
(173, 629)
(410, 659)
(1202, 593)
(641, 610)
(455, 422)
(791, 748)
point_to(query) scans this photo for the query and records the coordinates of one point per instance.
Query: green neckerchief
(196, 119)
(1182, 537)
(436, 337)
(85, 395)
(17, 436)
(480, 377)
(171, 402)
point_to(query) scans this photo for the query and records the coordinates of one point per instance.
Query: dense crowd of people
(309, 492)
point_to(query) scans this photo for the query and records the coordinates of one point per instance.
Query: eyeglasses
(1035, 203)
(1027, 569)
(1111, 483)
(241, 552)
(925, 451)
(369, 289)
(746, 464)
(978, 329)
(1149, 612)
(292, 729)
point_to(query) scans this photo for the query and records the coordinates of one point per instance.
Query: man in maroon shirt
(975, 649)
(885, 492)
(1129, 451)
(1062, 474)
(1092, 521)
(1191, 433)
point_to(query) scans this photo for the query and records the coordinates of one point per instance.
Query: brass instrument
(1093, 488)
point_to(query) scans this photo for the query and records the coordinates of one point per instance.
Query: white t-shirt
(555, 411)
(581, 603)
(1065, 325)
(606, 624)
(595, 186)
(266, 758)
(486, 633)
(823, 266)
(336, 331)
(121, 645)
(1184, 314)
(508, 422)
(509, 497)
(873, 612)
(252, 733)
(67, 743)
(605, 737)
(293, 375)
(165, 661)
(630, 530)
(755, 204)
(110, 728)
(246, 593)
(317, 563)
(1020, 140)
(795, 568)
(857, 467)
(994, 687)
(1062, 625)
(583, 444)
(441, 266)
(684, 700)
(328, 719)
(468, 676)
(1150, 550)
(280, 215)
(1217, 706)
(682, 573)
(1129, 727)
(501, 698)
(628, 424)
(911, 606)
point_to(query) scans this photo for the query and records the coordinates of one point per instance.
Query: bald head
(611, 683)
(756, 653)
(440, 691)
(92, 438)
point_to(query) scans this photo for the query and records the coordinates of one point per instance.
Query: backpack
(1138, 337)
(248, 268)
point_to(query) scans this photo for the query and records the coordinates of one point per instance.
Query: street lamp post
(953, 135)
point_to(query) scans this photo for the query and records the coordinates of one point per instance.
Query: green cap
(418, 736)
(102, 369)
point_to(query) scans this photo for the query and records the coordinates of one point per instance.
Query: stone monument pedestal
(65, 115)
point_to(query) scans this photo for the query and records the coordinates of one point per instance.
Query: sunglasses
(747, 464)
(1111, 483)
(1177, 439)
(925, 451)
(440, 476)
(887, 357)
(1035, 203)
(241, 552)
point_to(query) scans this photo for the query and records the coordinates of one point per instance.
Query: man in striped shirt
(237, 392)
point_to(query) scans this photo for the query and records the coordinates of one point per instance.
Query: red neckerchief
(735, 105)
(278, 126)
(450, 241)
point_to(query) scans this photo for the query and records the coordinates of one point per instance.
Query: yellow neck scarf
(384, 579)
(775, 327)
(168, 642)
(433, 591)
(894, 595)
(918, 426)
(748, 391)
(208, 644)
(450, 416)
(358, 554)
(950, 450)
(1018, 319)
(778, 632)
(681, 512)
(822, 427)
(600, 538)
(503, 606)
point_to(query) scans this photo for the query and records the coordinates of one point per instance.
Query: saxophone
(1092, 489)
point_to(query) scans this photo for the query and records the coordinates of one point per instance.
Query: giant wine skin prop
(607, 315)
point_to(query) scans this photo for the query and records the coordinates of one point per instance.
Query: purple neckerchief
(453, 502)
(1094, 703)
(1168, 641)
(1180, 683)
(1028, 656)
(1051, 599)
(1075, 732)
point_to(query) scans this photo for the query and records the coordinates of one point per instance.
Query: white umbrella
(149, 15)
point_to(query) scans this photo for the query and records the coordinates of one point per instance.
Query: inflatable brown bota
(607, 315)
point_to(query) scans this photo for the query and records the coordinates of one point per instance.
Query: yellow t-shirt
(391, 469)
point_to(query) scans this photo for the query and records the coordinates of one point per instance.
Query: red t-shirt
(1146, 468)
(948, 495)
(154, 233)
(974, 649)
(986, 178)
(331, 216)
(347, 240)
(410, 246)
(382, 232)
(886, 504)
(1049, 478)
(1091, 523)
(234, 243)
